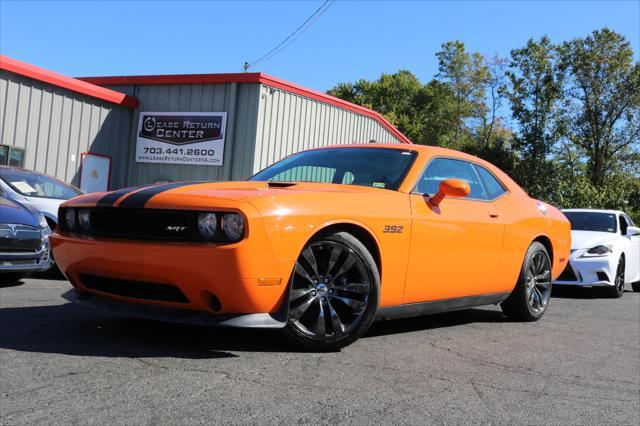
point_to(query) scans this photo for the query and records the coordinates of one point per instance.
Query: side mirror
(632, 230)
(450, 188)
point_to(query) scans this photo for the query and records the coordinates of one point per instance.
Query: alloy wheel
(538, 281)
(620, 277)
(330, 290)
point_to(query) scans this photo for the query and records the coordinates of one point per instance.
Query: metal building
(55, 119)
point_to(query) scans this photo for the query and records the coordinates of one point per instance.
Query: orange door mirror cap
(450, 188)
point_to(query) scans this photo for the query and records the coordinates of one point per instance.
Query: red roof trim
(75, 85)
(246, 78)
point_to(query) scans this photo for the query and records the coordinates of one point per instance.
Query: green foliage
(466, 74)
(575, 109)
(601, 101)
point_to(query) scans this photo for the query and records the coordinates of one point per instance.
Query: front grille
(142, 224)
(134, 289)
(19, 238)
(568, 274)
(17, 251)
(18, 262)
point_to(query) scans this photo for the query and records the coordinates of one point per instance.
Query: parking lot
(63, 363)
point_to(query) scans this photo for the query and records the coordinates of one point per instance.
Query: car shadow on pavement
(7, 284)
(578, 292)
(428, 322)
(75, 330)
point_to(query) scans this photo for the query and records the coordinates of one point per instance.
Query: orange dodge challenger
(320, 244)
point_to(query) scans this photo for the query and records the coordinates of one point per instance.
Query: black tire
(349, 298)
(529, 299)
(636, 287)
(617, 290)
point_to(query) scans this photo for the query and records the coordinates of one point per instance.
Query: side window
(492, 186)
(623, 225)
(446, 168)
(11, 156)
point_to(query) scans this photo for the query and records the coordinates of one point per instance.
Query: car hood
(14, 212)
(45, 205)
(176, 195)
(590, 239)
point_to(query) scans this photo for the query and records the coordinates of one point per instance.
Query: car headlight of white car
(601, 250)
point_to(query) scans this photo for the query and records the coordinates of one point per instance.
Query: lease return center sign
(181, 138)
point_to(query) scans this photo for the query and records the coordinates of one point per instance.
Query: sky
(351, 40)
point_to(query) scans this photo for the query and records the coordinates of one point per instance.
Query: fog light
(84, 219)
(70, 218)
(233, 226)
(207, 225)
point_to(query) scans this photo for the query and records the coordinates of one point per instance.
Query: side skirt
(439, 306)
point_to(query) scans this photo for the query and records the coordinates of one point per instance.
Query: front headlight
(44, 226)
(42, 221)
(600, 250)
(84, 219)
(233, 226)
(70, 218)
(207, 225)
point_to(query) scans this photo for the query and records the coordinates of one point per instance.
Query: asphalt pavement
(66, 364)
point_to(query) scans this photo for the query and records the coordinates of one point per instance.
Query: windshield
(589, 221)
(376, 167)
(31, 184)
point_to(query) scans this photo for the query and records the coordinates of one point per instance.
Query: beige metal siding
(54, 126)
(240, 101)
(288, 122)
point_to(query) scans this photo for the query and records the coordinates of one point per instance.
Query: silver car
(37, 190)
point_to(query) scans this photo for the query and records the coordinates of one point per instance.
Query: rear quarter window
(493, 187)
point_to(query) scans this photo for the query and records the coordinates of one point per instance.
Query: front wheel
(333, 294)
(617, 289)
(530, 297)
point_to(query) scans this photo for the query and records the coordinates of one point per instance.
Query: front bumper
(184, 316)
(218, 280)
(589, 271)
(34, 261)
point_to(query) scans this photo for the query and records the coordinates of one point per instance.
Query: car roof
(436, 151)
(594, 211)
(431, 150)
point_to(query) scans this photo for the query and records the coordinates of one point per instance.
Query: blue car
(24, 241)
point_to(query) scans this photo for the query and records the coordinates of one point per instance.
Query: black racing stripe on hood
(110, 199)
(140, 198)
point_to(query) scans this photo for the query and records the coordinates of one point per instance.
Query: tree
(601, 113)
(534, 93)
(422, 112)
(466, 74)
(495, 83)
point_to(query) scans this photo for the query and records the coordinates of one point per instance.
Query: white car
(605, 251)
(39, 191)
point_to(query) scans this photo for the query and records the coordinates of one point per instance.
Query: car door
(631, 250)
(455, 247)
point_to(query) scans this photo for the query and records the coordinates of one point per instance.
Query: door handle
(493, 214)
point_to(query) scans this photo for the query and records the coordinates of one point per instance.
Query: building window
(11, 156)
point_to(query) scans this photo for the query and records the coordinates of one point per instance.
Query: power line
(293, 36)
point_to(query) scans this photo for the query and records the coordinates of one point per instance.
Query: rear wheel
(617, 289)
(636, 286)
(333, 295)
(530, 297)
